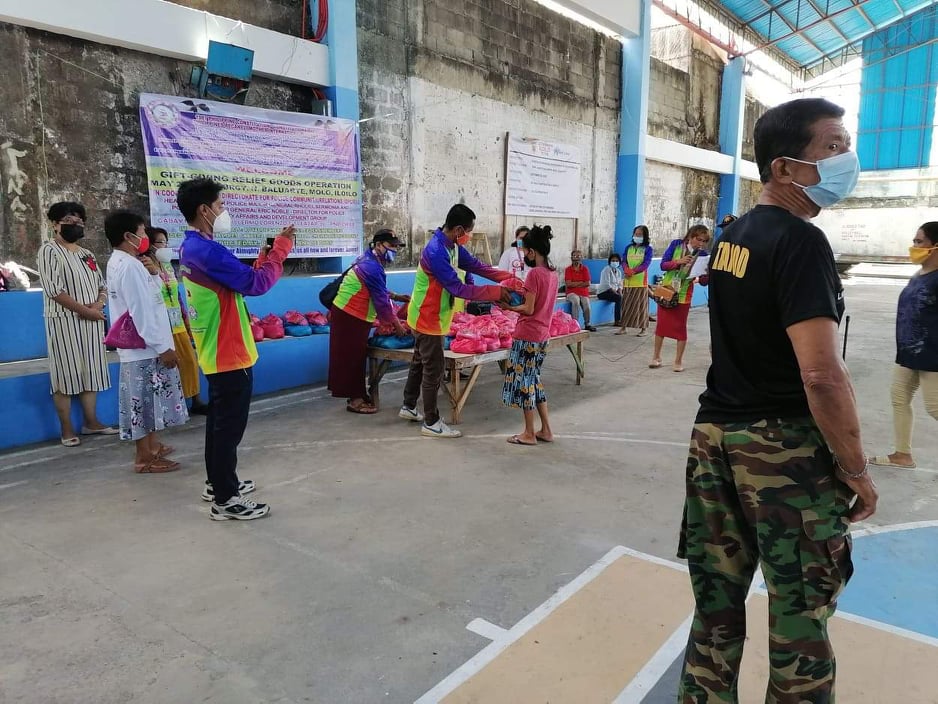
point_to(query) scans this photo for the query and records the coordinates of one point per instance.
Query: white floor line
(867, 530)
(654, 669)
(888, 628)
(485, 629)
(13, 484)
(494, 649)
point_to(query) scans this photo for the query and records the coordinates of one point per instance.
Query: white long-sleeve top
(610, 278)
(131, 288)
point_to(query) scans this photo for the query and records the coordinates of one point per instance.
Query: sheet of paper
(700, 267)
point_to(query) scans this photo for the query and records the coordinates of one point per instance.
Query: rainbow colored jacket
(215, 283)
(437, 285)
(364, 291)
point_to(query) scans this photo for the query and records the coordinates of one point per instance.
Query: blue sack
(447, 341)
(515, 299)
(319, 329)
(297, 330)
(393, 342)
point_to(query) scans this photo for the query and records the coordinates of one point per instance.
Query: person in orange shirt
(576, 278)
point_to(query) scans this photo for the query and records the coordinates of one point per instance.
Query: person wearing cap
(362, 297)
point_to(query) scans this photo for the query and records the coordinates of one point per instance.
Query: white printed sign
(543, 179)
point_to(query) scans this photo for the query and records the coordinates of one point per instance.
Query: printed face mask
(389, 255)
(839, 175)
(222, 224)
(72, 232)
(919, 255)
(164, 255)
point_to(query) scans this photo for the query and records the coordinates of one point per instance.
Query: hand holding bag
(123, 335)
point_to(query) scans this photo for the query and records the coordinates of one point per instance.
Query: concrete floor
(381, 546)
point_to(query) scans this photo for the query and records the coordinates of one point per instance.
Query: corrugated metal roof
(814, 32)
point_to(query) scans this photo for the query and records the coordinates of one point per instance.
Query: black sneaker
(591, 328)
(238, 509)
(245, 487)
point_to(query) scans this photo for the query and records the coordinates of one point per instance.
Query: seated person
(576, 279)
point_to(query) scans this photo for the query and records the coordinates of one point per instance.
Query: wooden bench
(459, 390)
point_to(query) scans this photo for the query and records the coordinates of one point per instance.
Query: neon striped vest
(635, 256)
(673, 277)
(431, 306)
(354, 298)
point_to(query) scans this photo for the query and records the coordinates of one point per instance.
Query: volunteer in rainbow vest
(362, 298)
(437, 288)
(636, 259)
(215, 282)
(676, 262)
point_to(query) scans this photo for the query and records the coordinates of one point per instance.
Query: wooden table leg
(577, 355)
(376, 371)
(464, 396)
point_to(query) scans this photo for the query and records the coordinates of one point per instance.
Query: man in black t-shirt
(775, 456)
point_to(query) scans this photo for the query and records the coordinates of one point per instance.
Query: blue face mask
(389, 255)
(638, 240)
(519, 243)
(614, 265)
(839, 175)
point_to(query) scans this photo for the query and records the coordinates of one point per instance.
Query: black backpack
(331, 290)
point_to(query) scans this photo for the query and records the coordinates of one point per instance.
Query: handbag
(123, 334)
(664, 296)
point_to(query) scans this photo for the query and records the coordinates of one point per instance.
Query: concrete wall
(69, 128)
(445, 83)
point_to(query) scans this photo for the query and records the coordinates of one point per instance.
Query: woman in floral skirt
(150, 392)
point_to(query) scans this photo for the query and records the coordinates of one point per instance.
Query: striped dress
(77, 358)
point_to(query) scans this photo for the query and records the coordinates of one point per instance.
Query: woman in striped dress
(74, 296)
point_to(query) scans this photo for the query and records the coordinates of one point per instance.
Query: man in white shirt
(512, 260)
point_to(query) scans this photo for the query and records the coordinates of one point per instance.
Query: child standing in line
(523, 388)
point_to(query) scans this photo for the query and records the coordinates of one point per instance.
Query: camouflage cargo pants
(764, 493)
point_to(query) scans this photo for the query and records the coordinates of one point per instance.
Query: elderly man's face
(830, 139)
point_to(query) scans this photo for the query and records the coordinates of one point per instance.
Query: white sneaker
(440, 430)
(411, 414)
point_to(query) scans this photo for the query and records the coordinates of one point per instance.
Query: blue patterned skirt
(150, 398)
(523, 388)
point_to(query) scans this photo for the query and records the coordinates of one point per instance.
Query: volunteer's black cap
(386, 237)
(727, 219)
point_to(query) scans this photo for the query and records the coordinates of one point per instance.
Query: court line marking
(475, 664)
(651, 673)
(892, 528)
(13, 484)
(484, 628)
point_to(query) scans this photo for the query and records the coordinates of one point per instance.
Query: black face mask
(531, 263)
(71, 232)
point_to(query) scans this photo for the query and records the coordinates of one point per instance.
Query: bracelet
(852, 475)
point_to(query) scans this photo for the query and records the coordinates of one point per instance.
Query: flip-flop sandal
(156, 466)
(363, 409)
(164, 451)
(515, 440)
(643, 333)
(620, 332)
(654, 364)
(540, 439)
(886, 462)
(71, 442)
(677, 369)
(100, 431)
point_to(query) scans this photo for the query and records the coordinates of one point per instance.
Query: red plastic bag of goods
(492, 344)
(293, 317)
(257, 330)
(504, 341)
(402, 311)
(467, 345)
(272, 326)
(316, 318)
(462, 318)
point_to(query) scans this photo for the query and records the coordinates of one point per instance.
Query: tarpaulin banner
(543, 179)
(277, 168)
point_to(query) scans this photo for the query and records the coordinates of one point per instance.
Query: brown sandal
(362, 408)
(156, 466)
(164, 451)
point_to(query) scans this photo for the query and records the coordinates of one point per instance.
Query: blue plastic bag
(447, 341)
(393, 342)
(515, 299)
(319, 329)
(297, 330)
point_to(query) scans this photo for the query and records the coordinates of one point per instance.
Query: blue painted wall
(28, 416)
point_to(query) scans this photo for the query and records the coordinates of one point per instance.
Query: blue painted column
(633, 129)
(732, 115)
(342, 40)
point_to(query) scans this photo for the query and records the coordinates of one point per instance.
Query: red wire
(323, 23)
(303, 25)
